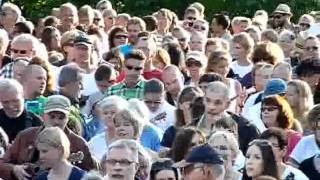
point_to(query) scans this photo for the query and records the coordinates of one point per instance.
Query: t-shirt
(76, 174)
(151, 137)
(168, 137)
(89, 84)
(164, 117)
(36, 105)
(293, 174)
(98, 145)
(240, 71)
(308, 168)
(306, 148)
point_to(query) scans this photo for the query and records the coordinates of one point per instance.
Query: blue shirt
(76, 174)
(151, 137)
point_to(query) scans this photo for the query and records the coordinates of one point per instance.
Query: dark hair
(151, 23)
(136, 54)
(308, 68)
(285, 116)
(270, 167)
(4, 139)
(222, 20)
(154, 86)
(182, 142)
(226, 123)
(162, 164)
(314, 114)
(277, 133)
(198, 108)
(47, 36)
(210, 77)
(69, 73)
(176, 54)
(113, 32)
(51, 21)
(114, 53)
(103, 72)
(23, 27)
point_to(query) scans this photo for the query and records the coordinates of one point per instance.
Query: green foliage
(33, 9)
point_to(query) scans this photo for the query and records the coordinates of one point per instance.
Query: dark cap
(82, 38)
(202, 154)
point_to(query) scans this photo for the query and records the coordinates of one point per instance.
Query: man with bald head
(173, 81)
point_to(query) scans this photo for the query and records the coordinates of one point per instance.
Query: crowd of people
(90, 93)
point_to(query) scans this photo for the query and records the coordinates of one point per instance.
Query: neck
(162, 31)
(281, 167)
(132, 84)
(31, 96)
(244, 61)
(148, 66)
(221, 33)
(214, 118)
(61, 167)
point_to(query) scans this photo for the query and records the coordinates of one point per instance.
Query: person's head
(34, 80)
(226, 124)
(151, 22)
(220, 23)
(127, 124)
(309, 72)
(135, 26)
(161, 59)
(254, 32)
(10, 14)
(191, 14)
(242, 46)
(144, 163)
(134, 65)
(53, 146)
(86, 15)
(281, 15)
(207, 78)
(4, 41)
(163, 169)
(51, 21)
(279, 142)
(216, 99)
(268, 52)
(147, 44)
(185, 140)
(56, 111)
(67, 42)
(24, 45)
(200, 7)
(311, 48)
(122, 19)
(276, 112)
(187, 95)
(51, 37)
(11, 97)
(103, 4)
(287, 42)
(260, 160)
(108, 107)
(269, 35)
(182, 35)
(299, 96)
(22, 27)
(314, 121)
(154, 94)
(164, 20)
(109, 16)
(105, 77)
(122, 159)
(305, 22)
(70, 81)
(115, 58)
(82, 51)
(196, 63)
(197, 41)
(172, 79)
(216, 44)
(68, 16)
(201, 25)
(282, 70)
(219, 62)
(202, 163)
(239, 24)
(226, 145)
(261, 73)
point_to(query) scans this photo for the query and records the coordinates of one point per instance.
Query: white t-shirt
(296, 173)
(89, 84)
(253, 115)
(249, 103)
(306, 148)
(98, 145)
(167, 116)
(240, 70)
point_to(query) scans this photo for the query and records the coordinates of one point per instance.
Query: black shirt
(307, 167)
(12, 126)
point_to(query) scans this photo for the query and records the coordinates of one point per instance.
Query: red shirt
(152, 74)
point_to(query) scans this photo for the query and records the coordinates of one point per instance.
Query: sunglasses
(16, 51)
(121, 36)
(199, 28)
(191, 18)
(135, 68)
(312, 48)
(305, 25)
(193, 63)
(277, 16)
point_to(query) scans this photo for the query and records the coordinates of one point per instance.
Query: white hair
(13, 7)
(10, 85)
(131, 144)
(218, 87)
(26, 38)
(228, 137)
(113, 101)
(141, 108)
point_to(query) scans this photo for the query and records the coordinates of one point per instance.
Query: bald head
(173, 80)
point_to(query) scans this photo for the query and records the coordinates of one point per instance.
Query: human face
(56, 119)
(146, 47)
(197, 43)
(68, 17)
(121, 21)
(287, 46)
(120, 38)
(55, 40)
(191, 16)
(48, 155)
(165, 175)
(238, 52)
(121, 164)
(279, 19)
(216, 103)
(261, 78)
(107, 114)
(22, 49)
(12, 103)
(105, 84)
(311, 49)
(194, 67)
(172, 82)
(8, 17)
(73, 89)
(213, 47)
(124, 129)
(108, 22)
(254, 161)
(183, 40)
(203, 86)
(36, 81)
(82, 55)
(220, 144)
(85, 19)
(292, 96)
(269, 114)
(238, 28)
(283, 73)
(222, 68)
(158, 64)
(200, 26)
(163, 22)
(133, 69)
(133, 31)
(194, 171)
(154, 101)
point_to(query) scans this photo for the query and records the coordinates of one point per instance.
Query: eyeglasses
(199, 28)
(123, 162)
(193, 63)
(188, 169)
(191, 18)
(153, 102)
(135, 68)
(311, 48)
(16, 51)
(305, 25)
(182, 39)
(121, 36)
(269, 109)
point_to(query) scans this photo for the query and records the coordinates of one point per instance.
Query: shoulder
(77, 173)
(296, 172)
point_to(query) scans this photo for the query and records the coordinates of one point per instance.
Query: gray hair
(228, 137)
(218, 171)
(133, 145)
(10, 85)
(218, 87)
(113, 101)
(141, 108)
(26, 38)
(13, 7)
(69, 73)
(101, 2)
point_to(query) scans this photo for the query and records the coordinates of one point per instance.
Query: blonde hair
(245, 40)
(217, 57)
(56, 138)
(229, 138)
(12, 7)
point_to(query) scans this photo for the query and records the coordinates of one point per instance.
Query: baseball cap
(197, 56)
(202, 154)
(283, 9)
(82, 38)
(57, 103)
(275, 86)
